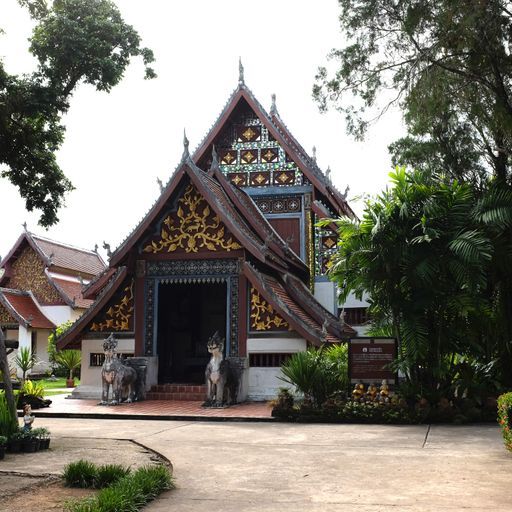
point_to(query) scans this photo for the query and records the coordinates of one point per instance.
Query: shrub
(128, 494)
(80, 474)
(109, 474)
(505, 418)
(8, 424)
(32, 388)
(3, 440)
(318, 373)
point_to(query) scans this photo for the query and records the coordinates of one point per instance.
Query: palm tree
(25, 361)
(70, 359)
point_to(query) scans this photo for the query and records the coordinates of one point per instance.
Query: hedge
(505, 418)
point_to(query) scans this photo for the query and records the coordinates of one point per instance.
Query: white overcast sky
(117, 144)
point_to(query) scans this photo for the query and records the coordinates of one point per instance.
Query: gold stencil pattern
(263, 315)
(194, 226)
(117, 317)
(6, 317)
(28, 274)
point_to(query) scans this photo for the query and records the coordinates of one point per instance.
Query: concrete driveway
(275, 466)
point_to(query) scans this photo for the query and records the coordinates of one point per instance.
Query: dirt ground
(42, 494)
(31, 481)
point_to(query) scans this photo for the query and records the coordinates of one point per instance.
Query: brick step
(196, 397)
(178, 388)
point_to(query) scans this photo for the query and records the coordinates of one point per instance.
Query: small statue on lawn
(28, 419)
(358, 392)
(116, 376)
(221, 381)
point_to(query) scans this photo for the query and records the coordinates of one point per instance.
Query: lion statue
(221, 380)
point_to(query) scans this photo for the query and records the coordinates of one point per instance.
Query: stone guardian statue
(117, 377)
(221, 380)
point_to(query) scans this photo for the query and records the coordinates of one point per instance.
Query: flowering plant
(505, 418)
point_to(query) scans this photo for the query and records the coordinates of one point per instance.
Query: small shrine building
(231, 245)
(41, 287)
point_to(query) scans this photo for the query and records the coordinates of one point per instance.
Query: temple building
(231, 245)
(41, 287)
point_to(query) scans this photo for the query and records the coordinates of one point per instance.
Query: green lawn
(55, 384)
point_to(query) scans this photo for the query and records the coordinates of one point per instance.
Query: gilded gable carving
(263, 315)
(193, 227)
(118, 316)
(28, 275)
(6, 317)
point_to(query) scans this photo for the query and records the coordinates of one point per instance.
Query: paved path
(154, 409)
(275, 466)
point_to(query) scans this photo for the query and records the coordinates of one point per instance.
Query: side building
(231, 245)
(41, 287)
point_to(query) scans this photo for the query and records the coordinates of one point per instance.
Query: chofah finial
(273, 108)
(160, 184)
(314, 153)
(215, 161)
(25, 226)
(186, 154)
(240, 71)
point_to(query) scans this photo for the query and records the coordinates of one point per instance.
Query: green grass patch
(80, 474)
(56, 384)
(126, 491)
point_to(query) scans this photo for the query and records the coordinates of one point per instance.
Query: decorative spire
(25, 226)
(186, 154)
(215, 161)
(240, 72)
(95, 248)
(273, 108)
(107, 248)
(160, 184)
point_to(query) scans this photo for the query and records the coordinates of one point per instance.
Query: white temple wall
(264, 383)
(60, 314)
(326, 294)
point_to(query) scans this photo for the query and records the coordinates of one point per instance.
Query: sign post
(369, 359)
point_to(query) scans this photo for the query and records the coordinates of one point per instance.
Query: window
(265, 360)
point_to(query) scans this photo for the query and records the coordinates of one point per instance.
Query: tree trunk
(4, 367)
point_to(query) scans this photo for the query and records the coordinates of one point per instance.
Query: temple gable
(192, 227)
(28, 273)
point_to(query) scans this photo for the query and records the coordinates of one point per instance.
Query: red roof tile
(73, 291)
(25, 309)
(68, 257)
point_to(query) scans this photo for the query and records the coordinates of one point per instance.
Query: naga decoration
(194, 226)
(118, 316)
(263, 315)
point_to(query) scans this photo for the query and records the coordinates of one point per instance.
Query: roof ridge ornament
(160, 184)
(240, 72)
(25, 226)
(345, 194)
(186, 154)
(328, 173)
(273, 108)
(215, 161)
(314, 154)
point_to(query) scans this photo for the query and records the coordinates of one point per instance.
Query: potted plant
(14, 445)
(70, 359)
(30, 442)
(43, 435)
(3, 446)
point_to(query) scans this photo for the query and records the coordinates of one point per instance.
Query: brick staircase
(192, 392)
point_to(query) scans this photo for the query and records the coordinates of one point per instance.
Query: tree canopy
(74, 41)
(447, 64)
(428, 253)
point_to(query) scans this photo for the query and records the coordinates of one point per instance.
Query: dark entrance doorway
(188, 314)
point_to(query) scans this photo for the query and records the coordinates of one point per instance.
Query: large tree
(74, 41)
(446, 63)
